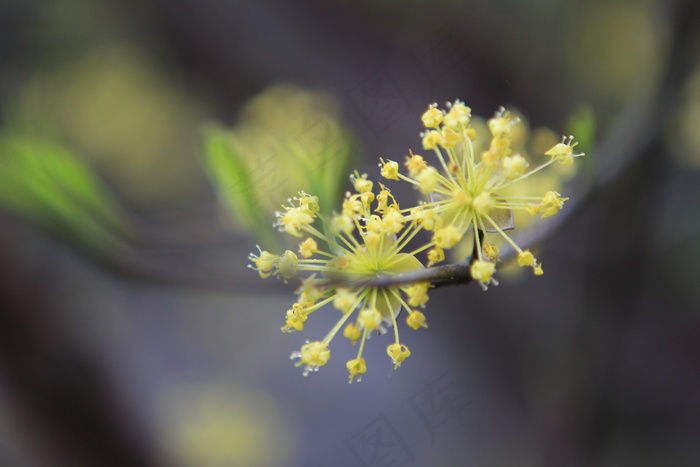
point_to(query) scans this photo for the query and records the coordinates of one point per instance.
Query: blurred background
(144, 146)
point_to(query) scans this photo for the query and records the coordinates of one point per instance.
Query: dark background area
(168, 352)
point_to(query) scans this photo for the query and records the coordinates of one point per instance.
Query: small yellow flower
(296, 217)
(564, 151)
(447, 237)
(264, 263)
(426, 218)
(449, 138)
(482, 271)
(436, 255)
(398, 353)
(526, 258)
(361, 183)
(308, 247)
(369, 319)
(415, 164)
(432, 117)
(284, 265)
(343, 223)
(367, 197)
(390, 169)
(459, 116)
(352, 206)
(514, 166)
(288, 264)
(428, 179)
(551, 204)
(393, 221)
(416, 320)
(345, 301)
(357, 367)
(373, 239)
(293, 219)
(382, 201)
(468, 192)
(310, 289)
(431, 139)
(352, 332)
(314, 355)
(490, 250)
(418, 294)
(309, 204)
(295, 319)
(501, 125)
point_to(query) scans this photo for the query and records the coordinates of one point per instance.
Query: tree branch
(447, 274)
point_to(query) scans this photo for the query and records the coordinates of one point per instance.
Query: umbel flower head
(467, 192)
(343, 257)
(339, 255)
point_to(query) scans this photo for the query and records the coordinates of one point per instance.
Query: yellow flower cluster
(365, 241)
(466, 193)
(342, 255)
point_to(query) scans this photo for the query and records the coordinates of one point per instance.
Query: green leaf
(233, 181)
(52, 188)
